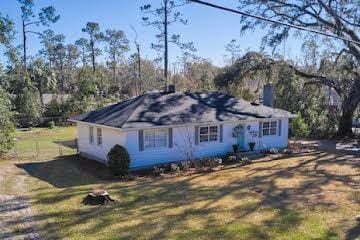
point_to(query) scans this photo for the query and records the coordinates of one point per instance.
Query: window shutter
(196, 135)
(221, 133)
(170, 138)
(141, 140)
(279, 126)
(260, 129)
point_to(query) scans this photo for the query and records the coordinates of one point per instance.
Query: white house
(173, 126)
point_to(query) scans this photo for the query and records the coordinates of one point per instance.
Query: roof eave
(95, 124)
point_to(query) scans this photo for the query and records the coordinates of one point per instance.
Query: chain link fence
(38, 149)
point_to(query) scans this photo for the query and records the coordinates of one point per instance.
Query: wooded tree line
(78, 68)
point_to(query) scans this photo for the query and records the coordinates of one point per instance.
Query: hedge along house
(172, 126)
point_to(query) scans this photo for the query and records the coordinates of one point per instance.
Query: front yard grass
(315, 196)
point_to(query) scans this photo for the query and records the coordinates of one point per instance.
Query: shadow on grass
(67, 143)
(68, 171)
(264, 200)
(353, 233)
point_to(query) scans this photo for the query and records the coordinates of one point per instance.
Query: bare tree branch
(320, 79)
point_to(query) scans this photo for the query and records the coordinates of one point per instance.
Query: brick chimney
(268, 95)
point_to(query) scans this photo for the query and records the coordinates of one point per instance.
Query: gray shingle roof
(155, 109)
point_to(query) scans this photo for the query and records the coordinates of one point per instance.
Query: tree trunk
(83, 57)
(41, 93)
(97, 197)
(348, 107)
(92, 44)
(62, 83)
(166, 42)
(114, 73)
(138, 87)
(24, 44)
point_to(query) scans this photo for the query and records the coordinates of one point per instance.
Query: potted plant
(252, 146)
(235, 148)
(253, 135)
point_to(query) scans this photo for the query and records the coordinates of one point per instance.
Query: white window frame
(99, 138)
(153, 136)
(269, 128)
(208, 134)
(91, 135)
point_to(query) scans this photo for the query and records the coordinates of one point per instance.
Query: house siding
(182, 136)
(110, 137)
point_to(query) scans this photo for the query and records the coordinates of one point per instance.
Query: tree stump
(97, 197)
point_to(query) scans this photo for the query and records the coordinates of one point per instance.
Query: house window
(91, 135)
(208, 134)
(99, 137)
(269, 128)
(155, 138)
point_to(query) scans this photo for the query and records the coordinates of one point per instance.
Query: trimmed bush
(118, 160)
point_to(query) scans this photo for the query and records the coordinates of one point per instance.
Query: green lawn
(47, 134)
(316, 196)
(49, 142)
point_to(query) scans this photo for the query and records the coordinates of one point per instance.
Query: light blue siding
(183, 141)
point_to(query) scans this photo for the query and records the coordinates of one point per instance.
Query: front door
(240, 130)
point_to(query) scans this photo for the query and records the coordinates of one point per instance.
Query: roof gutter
(96, 125)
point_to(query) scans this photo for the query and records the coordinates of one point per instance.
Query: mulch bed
(103, 173)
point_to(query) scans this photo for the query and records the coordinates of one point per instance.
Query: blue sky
(209, 29)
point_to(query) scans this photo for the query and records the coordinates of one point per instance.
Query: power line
(272, 21)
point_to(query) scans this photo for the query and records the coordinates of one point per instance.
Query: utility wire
(272, 21)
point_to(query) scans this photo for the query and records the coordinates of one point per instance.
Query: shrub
(215, 162)
(51, 124)
(195, 163)
(299, 128)
(199, 164)
(174, 167)
(157, 170)
(286, 151)
(230, 159)
(245, 161)
(273, 150)
(118, 160)
(184, 165)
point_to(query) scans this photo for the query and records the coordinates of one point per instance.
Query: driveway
(16, 216)
(345, 146)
